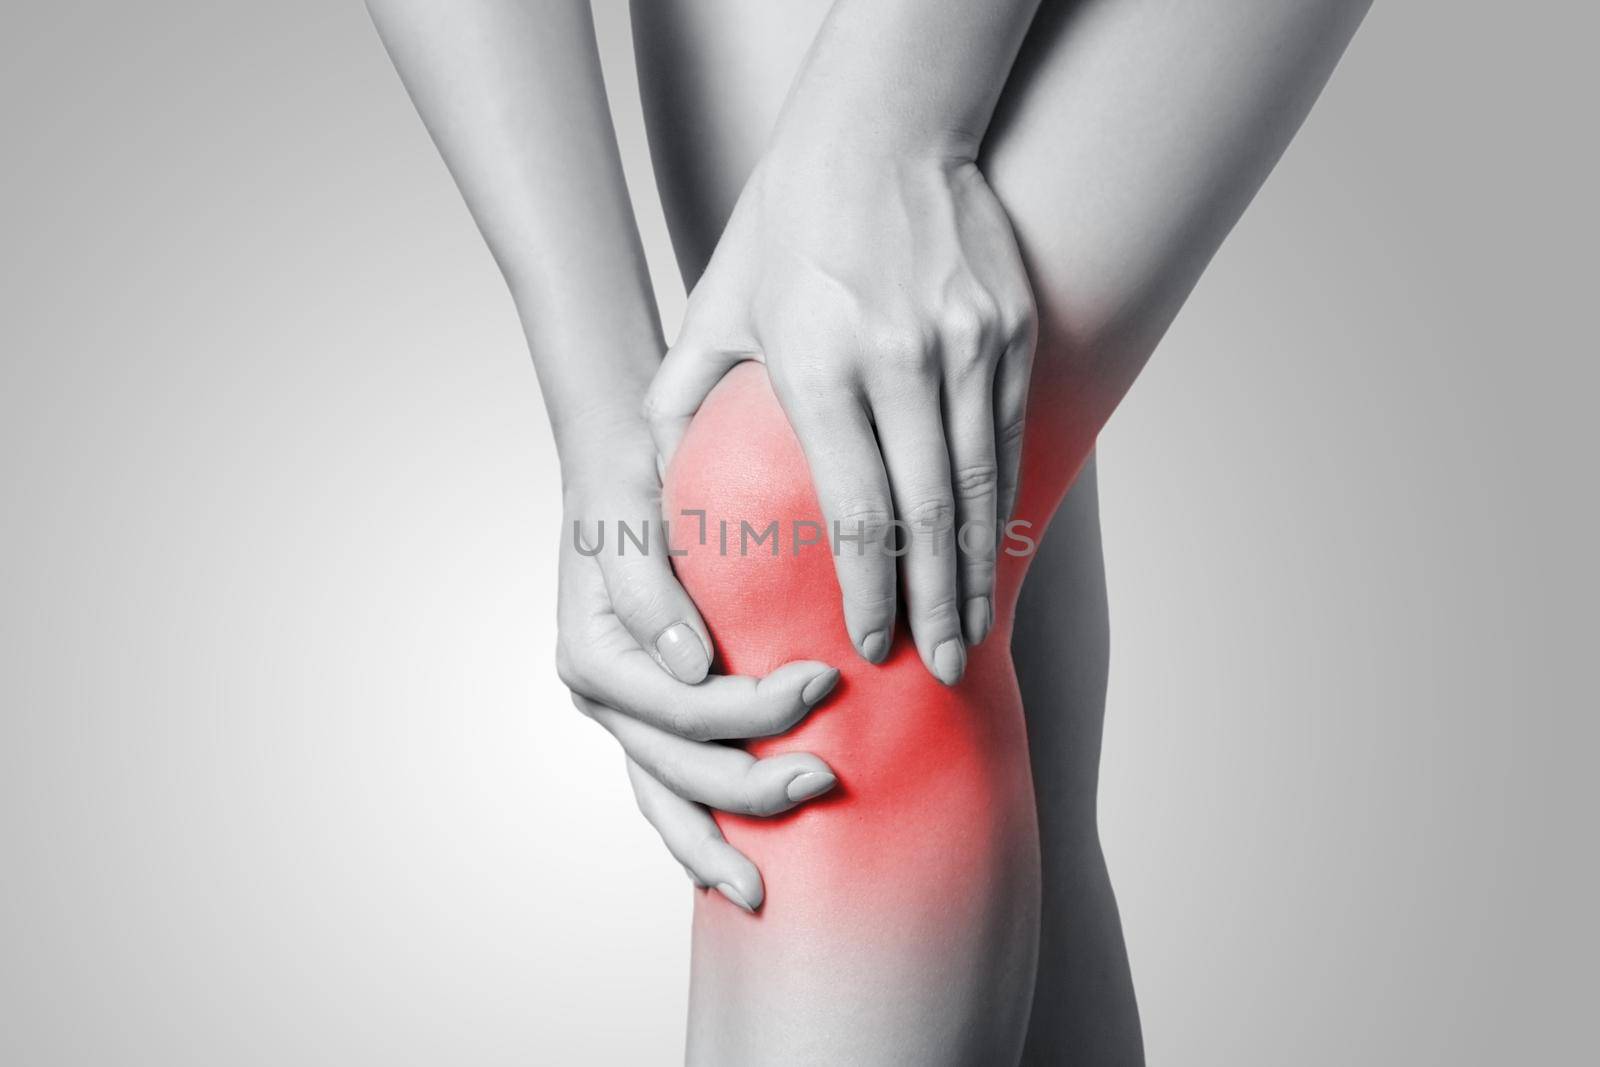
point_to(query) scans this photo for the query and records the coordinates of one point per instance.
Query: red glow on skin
(934, 802)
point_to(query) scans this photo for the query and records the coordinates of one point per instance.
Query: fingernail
(733, 895)
(810, 784)
(874, 645)
(680, 649)
(949, 660)
(979, 617)
(819, 687)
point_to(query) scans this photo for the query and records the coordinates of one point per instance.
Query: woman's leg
(901, 921)
(1084, 1009)
(1132, 134)
(901, 914)
(901, 924)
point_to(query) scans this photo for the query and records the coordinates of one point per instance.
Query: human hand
(635, 653)
(884, 290)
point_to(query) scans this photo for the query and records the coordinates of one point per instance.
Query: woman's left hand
(635, 654)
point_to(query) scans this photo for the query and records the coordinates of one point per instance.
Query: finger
(691, 835)
(1012, 378)
(853, 489)
(691, 369)
(649, 602)
(718, 776)
(911, 433)
(969, 428)
(721, 707)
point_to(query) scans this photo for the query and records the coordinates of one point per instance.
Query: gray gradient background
(286, 776)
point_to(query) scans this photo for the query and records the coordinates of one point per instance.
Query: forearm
(512, 94)
(908, 73)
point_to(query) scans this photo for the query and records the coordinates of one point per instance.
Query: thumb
(653, 607)
(686, 376)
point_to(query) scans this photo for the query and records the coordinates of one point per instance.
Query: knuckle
(969, 373)
(570, 668)
(868, 519)
(975, 479)
(749, 796)
(931, 513)
(669, 772)
(963, 326)
(653, 408)
(636, 600)
(936, 609)
(1019, 320)
(977, 570)
(685, 719)
(808, 381)
(932, 525)
(871, 601)
(1009, 435)
(988, 308)
(903, 349)
(908, 357)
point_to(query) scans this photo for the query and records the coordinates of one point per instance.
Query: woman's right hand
(882, 286)
(635, 654)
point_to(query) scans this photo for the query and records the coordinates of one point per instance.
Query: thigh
(1131, 135)
(712, 77)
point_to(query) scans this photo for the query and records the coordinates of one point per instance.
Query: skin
(511, 92)
(1114, 231)
(869, 265)
(901, 921)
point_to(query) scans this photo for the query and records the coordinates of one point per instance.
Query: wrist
(810, 132)
(605, 453)
(842, 174)
(906, 76)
